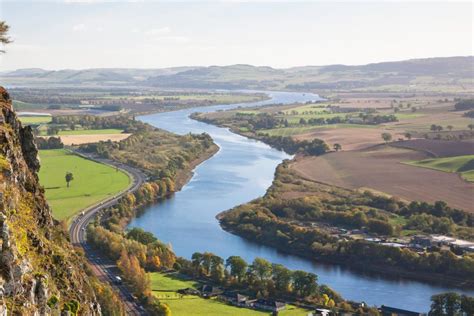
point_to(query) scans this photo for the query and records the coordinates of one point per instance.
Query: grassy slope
(165, 285)
(92, 182)
(464, 165)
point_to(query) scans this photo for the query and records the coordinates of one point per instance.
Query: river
(242, 170)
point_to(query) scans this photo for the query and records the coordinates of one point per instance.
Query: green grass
(170, 282)
(164, 287)
(92, 182)
(464, 165)
(197, 306)
(406, 116)
(91, 131)
(289, 131)
(35, 119)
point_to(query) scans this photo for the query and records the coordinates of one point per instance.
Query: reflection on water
(241, 171)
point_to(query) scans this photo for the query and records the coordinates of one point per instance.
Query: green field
(170, 282)
(463, 165)
(164, 287)
(290, 131)
(35, 119)
(91, 131)
(92, 182)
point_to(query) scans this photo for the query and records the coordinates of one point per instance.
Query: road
(105, 269)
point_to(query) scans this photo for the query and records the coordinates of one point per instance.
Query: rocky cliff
(40, 273)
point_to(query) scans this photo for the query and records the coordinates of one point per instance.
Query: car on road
(117, 280)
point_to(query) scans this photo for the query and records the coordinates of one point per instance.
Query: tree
(470, 126)
(305, 283)
(4, 39)
(281, 277)
(69, 177)
(261, 268)
(386, 137)
(449, 127)
(237, 266)
(408, 136)
(141, 236)
(337, 147)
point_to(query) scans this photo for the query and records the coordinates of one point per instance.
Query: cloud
(159, 31)
(175, 39)
(79, 27)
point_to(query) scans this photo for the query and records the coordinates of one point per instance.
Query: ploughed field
(348, 138)
(380, 168)
(439, 148)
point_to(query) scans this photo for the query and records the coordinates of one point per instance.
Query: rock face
(40, 272)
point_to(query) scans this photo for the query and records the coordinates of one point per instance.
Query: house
(392, 311)
(208, 291)
(236, 299)
(269, 305)
(421, 242)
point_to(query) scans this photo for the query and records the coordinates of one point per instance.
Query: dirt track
(380, 169)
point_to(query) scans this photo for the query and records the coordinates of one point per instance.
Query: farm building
(237, 299)
(208, 291)
(392, 311)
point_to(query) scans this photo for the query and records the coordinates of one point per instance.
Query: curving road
(105, 269)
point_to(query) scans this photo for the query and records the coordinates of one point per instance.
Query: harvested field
(94, 138)
(380, 168)
(439, 148)
(349, 138)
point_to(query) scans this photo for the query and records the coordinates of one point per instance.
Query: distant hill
(428, 74)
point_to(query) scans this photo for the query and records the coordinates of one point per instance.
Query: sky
(78, 34)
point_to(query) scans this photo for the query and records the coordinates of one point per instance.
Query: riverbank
(372, 271)
(186, 174)
(295, 217)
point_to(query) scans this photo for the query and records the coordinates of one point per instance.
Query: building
(269, 305)
(208, 291)
(392, 311)
(237, 299)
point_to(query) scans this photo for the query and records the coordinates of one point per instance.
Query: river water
(242, 170)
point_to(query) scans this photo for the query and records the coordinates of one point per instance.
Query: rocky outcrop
(40, 272)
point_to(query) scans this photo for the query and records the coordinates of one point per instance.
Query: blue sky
(153, 34)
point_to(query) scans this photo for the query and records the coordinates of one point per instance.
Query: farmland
(463, 165)
(380, 169)
(35, 119)
(90, 131)
(164, 286)
(356, 122)
(92, 182)
(93, 138)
